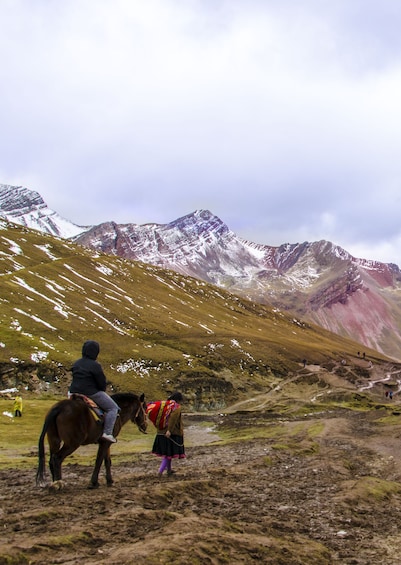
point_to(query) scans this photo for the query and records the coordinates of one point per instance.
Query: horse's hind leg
(55, 467)
(52, 467)
(56, 460)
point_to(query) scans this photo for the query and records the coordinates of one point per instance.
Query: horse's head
(139, 417)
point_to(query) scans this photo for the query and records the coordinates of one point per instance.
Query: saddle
(94, 409)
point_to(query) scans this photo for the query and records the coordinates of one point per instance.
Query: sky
(281, 117)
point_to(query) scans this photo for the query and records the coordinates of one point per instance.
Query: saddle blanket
(95, 410)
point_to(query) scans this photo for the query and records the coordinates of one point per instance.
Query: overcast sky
(282, 117)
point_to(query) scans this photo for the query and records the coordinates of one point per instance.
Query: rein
(178, 444)
(140, 407)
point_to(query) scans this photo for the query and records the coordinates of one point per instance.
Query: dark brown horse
(70, 423)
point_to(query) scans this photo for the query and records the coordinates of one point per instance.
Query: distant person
(169, 441)
(18, 406)
(391, 394)
(304, 362)
(89, 379)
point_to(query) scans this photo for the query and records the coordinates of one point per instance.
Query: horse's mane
(124, 397)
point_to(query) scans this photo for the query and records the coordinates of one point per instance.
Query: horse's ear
(142, 397)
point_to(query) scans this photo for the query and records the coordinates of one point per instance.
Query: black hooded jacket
(87, 374)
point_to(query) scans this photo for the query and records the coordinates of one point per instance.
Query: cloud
(281, 117)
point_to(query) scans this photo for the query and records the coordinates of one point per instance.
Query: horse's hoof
(93, 485)
(57, 485)
(110, 484)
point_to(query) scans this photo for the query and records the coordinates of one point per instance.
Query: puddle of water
(200, 435)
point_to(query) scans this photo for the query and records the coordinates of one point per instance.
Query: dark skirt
(172, 447)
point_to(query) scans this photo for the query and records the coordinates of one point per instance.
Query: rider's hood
(90, 349)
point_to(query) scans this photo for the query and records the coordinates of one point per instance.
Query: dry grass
(158, 330)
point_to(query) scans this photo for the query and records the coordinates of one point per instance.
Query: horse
(71, 423)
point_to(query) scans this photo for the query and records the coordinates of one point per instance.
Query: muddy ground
(324, 498)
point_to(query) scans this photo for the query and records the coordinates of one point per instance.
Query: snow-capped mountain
(199, 245)
(318, 281)
(202, 246)
(27, 208)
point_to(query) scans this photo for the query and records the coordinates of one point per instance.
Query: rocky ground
(331, 494)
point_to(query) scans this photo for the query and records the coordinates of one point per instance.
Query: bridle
(144, 417)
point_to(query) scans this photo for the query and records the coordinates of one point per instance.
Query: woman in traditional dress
(169, 441)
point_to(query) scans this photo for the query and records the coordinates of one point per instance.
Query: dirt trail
(333, 499)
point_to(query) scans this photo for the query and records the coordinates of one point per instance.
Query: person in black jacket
(89, 379)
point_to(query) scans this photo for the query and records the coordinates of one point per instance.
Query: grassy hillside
(157, 330)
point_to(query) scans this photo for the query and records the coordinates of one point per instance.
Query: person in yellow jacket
(18, 406)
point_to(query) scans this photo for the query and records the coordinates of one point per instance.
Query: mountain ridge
(158, 330)
(318, 281)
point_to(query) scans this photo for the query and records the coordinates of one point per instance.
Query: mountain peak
(199, 222)
(18, 200)
(26, 207)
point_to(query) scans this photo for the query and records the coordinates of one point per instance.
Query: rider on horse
(89, 379)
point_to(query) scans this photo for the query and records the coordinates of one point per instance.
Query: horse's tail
(50, 418)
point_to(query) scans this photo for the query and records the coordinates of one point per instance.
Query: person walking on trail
(89, 379)
(169, 441)
(18, 406)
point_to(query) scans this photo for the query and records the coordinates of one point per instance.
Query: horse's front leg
(100, 457)
(107, 464)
